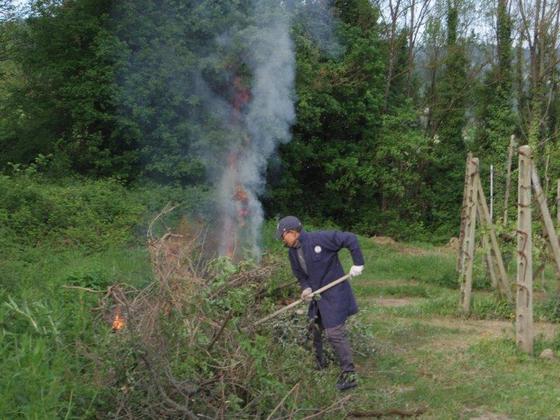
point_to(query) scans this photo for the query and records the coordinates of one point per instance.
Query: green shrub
(491, 307)
(549, 310)
(91, 214)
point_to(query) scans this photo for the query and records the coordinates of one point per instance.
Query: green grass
(414, 348)
(428, 357)
(45, 327)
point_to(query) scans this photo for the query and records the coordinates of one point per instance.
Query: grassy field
(432, 360)
(415, 353)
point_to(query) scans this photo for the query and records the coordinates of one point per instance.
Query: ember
(118, 320)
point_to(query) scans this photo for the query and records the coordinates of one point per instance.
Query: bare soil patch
(477, 330)
(396, 283)
(394, 302)
(410, 250)
(383, 240)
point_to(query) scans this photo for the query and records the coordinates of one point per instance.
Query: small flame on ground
(118, 320)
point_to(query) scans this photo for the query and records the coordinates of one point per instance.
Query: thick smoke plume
(211, 85)
(262, 116)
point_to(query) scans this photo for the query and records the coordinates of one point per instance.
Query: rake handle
(297, 302)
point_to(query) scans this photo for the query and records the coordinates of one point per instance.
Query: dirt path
(471, 329)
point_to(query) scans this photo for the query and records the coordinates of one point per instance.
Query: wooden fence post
(469, 248)
(489, 260)
(558, 204)
(502, 278)
(524, 307)
(546, 218)
(508, 177)
(460, 259)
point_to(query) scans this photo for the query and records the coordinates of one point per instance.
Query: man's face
(290, 238)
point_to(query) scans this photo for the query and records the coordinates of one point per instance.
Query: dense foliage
(111, 89)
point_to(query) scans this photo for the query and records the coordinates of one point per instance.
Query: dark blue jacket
(320, 251)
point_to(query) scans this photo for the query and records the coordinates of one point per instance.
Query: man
(314, 260)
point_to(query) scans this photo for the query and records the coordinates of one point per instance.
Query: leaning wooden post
(524, 310)
(546, 218)
(508, 177)
(488, 256)
(469, 248)
(502, 277)
(460, 258)
(558, 204)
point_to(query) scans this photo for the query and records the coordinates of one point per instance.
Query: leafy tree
(495, 117)
(447, 172)
(66, 104)
(338, 101)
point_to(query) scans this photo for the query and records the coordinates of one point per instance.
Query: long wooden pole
(546, 218)
(508, 177)
(297, 302)
(524, 308)
(465, 278)
(460, 257)
(489, 260)
(491, 192)
(558, 204)
(503, 279)
(488, 252)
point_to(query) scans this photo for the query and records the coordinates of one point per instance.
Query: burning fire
(236, 213)
(118, 320)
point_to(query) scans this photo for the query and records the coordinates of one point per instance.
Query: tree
(66, 104)
(448, 123)
(495, 117)
(332, 154)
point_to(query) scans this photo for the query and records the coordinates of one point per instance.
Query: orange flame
(118, 321)
(234, 221)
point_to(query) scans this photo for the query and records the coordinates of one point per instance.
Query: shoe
(347, 380)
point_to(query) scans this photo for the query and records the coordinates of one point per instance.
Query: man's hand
(306, 294)
(356, 270)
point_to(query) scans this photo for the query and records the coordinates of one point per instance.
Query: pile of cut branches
(186, 347)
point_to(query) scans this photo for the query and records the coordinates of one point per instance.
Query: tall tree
(539, 28)
(339, 105)
(449, 121)
(496, 120)
(66, 104)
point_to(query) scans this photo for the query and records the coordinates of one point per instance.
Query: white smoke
(215, 84)
(267, 121)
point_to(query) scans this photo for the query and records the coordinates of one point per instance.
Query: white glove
(306, 294)
(356, 270)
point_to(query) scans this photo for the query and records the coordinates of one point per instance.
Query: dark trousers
(339, 341)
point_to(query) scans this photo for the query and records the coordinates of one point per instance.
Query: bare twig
(337, 405)
(389, 412)
(282, 401)
(85, 289)
(228, 317)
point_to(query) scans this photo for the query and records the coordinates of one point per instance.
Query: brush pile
(184, 346)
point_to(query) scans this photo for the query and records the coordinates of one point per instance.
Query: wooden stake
(469, 249)
(524, 310)
(460, 259)
(502, 277)
(491, 193)
(489, 260)
(508, 177)
(558, 204)
(546, 218)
